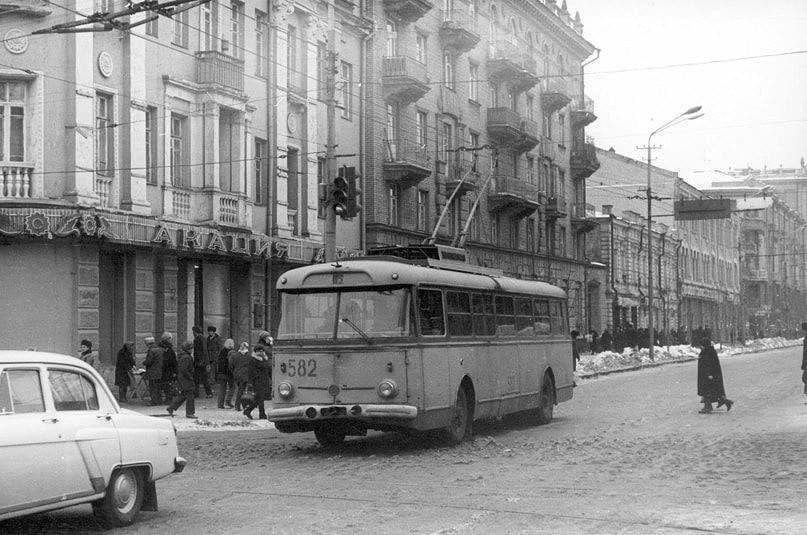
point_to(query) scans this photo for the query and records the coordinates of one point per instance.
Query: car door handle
(51, 420)
(104, 416)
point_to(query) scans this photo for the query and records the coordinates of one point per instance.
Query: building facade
(707, 288)
(476, 122)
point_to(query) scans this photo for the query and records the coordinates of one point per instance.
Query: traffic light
(339, 194)
(353, 192)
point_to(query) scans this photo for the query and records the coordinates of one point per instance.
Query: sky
(755, 110)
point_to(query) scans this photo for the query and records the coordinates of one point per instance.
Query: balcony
(583, 113)
(463, 175)
(407, 10)
(17, 181)
(582, 220)
(450, 102)
(507, 61)
(529, 135)
(518, 198)
(232, 209)
(554, 94)
(215, 68)
(755, 274)
(583, 161)
(507, 127)
(555, 208)
(458, 30)
(406, 161)
(404, 79)
(102, 186)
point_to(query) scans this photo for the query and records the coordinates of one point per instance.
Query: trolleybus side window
(505, 321)
(557, 318)
(458, 306)
(430, 308)
(482, 306)
(542, 324)
(524, 317)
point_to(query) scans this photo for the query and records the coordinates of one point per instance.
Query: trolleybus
(394, 344)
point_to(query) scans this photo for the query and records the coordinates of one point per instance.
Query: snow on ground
(608, 361)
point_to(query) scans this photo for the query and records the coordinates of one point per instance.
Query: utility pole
(330, 147)
(650, 333)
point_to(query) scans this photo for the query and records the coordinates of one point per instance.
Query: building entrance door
(111, 304)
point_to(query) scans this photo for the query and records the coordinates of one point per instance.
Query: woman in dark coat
(260, 377)
(224, 376)
(123, 366)
(240, 364)
(710, 378)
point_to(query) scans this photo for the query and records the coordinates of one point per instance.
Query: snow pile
(629, 358)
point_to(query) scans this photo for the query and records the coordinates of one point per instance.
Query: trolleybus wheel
(545, 411)
(329, 435)
(460, 425)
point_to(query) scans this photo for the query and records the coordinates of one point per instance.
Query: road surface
(629, 454)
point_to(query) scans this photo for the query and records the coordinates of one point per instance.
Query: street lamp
(692, 113)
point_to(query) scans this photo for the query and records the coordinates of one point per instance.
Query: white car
(64, 441)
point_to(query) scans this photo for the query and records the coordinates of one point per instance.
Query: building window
(448, 71)
(151, 145)
(237, 30)
(421, 122)
(511, 99)
(551, 234)
(420, 47)
(531, 235)
(562, 129)
(530, 106)
(473, 82)
(296, 76)
(454, 213)
(473, 141)
(179, 133)
(261, 30)
(393, 193)
(423, 210)
(547, 126)
(209, 30)
(561, 182)
(515, 232)
(181, 29)
(104, 135)
(392, 39)
(346, 89)
(261, 168)
(152, 26)
(531, 169)
(562, 241)
(447, 142)
(494, 95)
(391, 133)
(495, 235)
(12, 121)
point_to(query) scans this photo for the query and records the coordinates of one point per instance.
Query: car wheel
(544, 413)
(329, 435)
(124, 497)
(460, 424)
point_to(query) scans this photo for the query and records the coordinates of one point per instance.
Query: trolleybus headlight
(387, 389)
(285, 390)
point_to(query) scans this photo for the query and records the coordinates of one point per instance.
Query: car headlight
(387, 389)
(285, 390)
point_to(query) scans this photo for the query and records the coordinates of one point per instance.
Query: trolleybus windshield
(345, 314)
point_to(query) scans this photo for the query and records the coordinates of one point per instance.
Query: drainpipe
(362, 143)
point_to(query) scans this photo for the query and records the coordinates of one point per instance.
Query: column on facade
(80, 184)
(133, 191)
(88, 288)
(280, 18)
(144, 324)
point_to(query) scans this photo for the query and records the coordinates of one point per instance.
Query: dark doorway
(112, 303)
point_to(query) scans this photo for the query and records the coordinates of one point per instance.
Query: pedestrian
(605, 341)
(154, 370)
(213, 345)
(594, 344)
(87, 354)
(575, 350)
(224, 377)
(201, 362)
(267, 342)
(124, 364)
(240, 364)
(169, 366)
(186, 381)
(804, 357)
(260, 377)
(710, 378)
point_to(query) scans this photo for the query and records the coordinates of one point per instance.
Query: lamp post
(691, 113)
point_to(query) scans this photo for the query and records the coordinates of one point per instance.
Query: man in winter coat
(154, 370)
(213, 345)
(710, 378)
(260, 376)
(241, 365)
(804, 357)
(186, 382)
(201, 362)
(169, 365)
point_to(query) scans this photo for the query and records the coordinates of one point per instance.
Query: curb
(643, 365)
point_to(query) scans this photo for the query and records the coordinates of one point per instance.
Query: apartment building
(476, 120)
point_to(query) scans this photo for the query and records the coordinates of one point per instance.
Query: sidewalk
(210, 417)
(596, 364)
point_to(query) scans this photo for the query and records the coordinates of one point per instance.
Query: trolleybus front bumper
(361, 411)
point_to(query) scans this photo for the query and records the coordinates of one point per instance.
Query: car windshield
(377, 313)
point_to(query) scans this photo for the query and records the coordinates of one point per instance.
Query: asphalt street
(629, 454)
